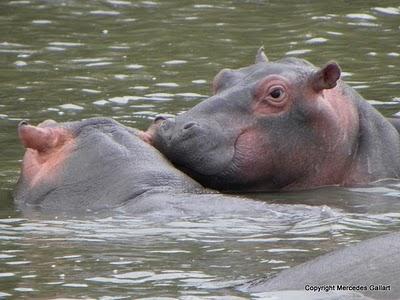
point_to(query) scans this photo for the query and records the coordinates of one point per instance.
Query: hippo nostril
(166, 124)
(159, 118)
(189, 125)
(23, 123)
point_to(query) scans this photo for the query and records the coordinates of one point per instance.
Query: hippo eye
(272, 94)
(276, 93)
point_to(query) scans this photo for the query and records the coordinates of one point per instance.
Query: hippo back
(372, 266)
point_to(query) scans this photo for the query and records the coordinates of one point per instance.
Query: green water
(130, 60)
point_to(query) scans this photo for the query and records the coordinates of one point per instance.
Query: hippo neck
(378, 147)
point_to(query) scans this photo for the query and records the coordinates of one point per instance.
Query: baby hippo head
(269, 126)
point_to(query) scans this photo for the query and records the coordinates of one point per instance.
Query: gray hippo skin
(92, 164)
(281, 125)
(98, 165)
(373, 265)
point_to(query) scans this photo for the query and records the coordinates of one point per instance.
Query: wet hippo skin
(281, 125)
(92, 164)
(373, 264)
(100, 165)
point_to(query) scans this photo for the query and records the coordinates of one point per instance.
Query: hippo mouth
(213, 160)
(227, 175)
(202, 153)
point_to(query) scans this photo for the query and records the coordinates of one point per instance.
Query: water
(130, 60)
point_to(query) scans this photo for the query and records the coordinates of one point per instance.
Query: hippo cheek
(253, 158)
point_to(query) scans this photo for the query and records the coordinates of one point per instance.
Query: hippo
(99, 166)
(281, 126)
(371, 267)
(94, 164)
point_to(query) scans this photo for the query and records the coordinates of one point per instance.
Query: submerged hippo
(282, 125)
(92, 164)
(99, 165)
(371, 268)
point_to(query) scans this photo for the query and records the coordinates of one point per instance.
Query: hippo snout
(170, 127)
(185, 130)
(167, 125)
(189, 142)
(189, 130)
(175, 131)
(190, 126)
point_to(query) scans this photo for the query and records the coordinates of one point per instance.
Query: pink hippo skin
(282, 125)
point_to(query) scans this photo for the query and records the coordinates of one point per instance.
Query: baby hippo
(98, 165)
(282, 125)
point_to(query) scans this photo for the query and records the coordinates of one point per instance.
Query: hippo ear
(260, 56)
(326, 77)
